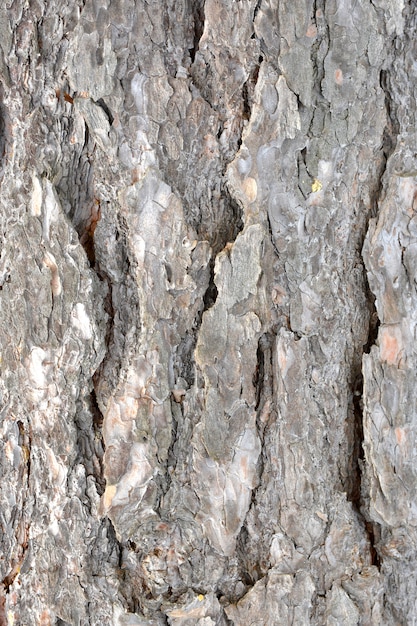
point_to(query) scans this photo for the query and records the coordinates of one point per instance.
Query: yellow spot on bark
(316, 186)
(200, 597)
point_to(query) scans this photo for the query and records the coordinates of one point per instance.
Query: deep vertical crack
(252, 566)
(355, 487)
(210, 295)
(356, 494)
(3, 133)
(198, 17)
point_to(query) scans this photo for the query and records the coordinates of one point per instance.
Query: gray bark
(208, 404)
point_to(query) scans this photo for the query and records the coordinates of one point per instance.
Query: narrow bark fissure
(3, 134)
(99, 442)
(249, 574)
(392, 130)
(76, 191)
(263, 378)
(373, 534)
(374, 321)
(320, 44)
(354, 485)
(211, 293)
(183, 360)
(91, 445)
(355, 493)
(248, 93)
(106, 110)
(252, 569)
(199, 19)
(256, 9)
(125, 586)
(228, 229)
(258, 376)
(230, 223)
(354, 490)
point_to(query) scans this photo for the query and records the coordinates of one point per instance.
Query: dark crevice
(355, 487)
(373, 533)
(232, 222)
(353, 484)
(246, 113)
(88, 421)
(374, 322)
(106, 110)
(389, 140)
(259, 373)
(223, 228)
(263, 375)
(211, 293)
(248, 93)
(227, 230)
(252, 568)
(3, 133)
(256, 9)
(76, 193)
(304, 177)
(86, 232)
(199, 18)
(110, 312)
(392, 130)
(98, 437)
(183, 356)
(320, 45)
(90, 433)
(116, 552)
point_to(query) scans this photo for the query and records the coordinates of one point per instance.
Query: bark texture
(208, 399)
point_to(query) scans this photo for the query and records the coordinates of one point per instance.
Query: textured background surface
(208, 308)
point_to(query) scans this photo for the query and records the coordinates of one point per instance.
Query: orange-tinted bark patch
(311, 31)
(389, 346)
(45, 618)
(400, 436)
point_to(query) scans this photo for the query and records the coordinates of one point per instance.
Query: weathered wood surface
(208, 312)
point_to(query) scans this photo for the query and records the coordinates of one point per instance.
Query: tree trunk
(208, 312)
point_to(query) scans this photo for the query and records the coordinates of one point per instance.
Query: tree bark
(208, 312)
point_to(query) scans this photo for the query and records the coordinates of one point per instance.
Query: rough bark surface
(208, 309)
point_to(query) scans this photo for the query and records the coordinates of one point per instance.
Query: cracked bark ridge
(207, 312)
